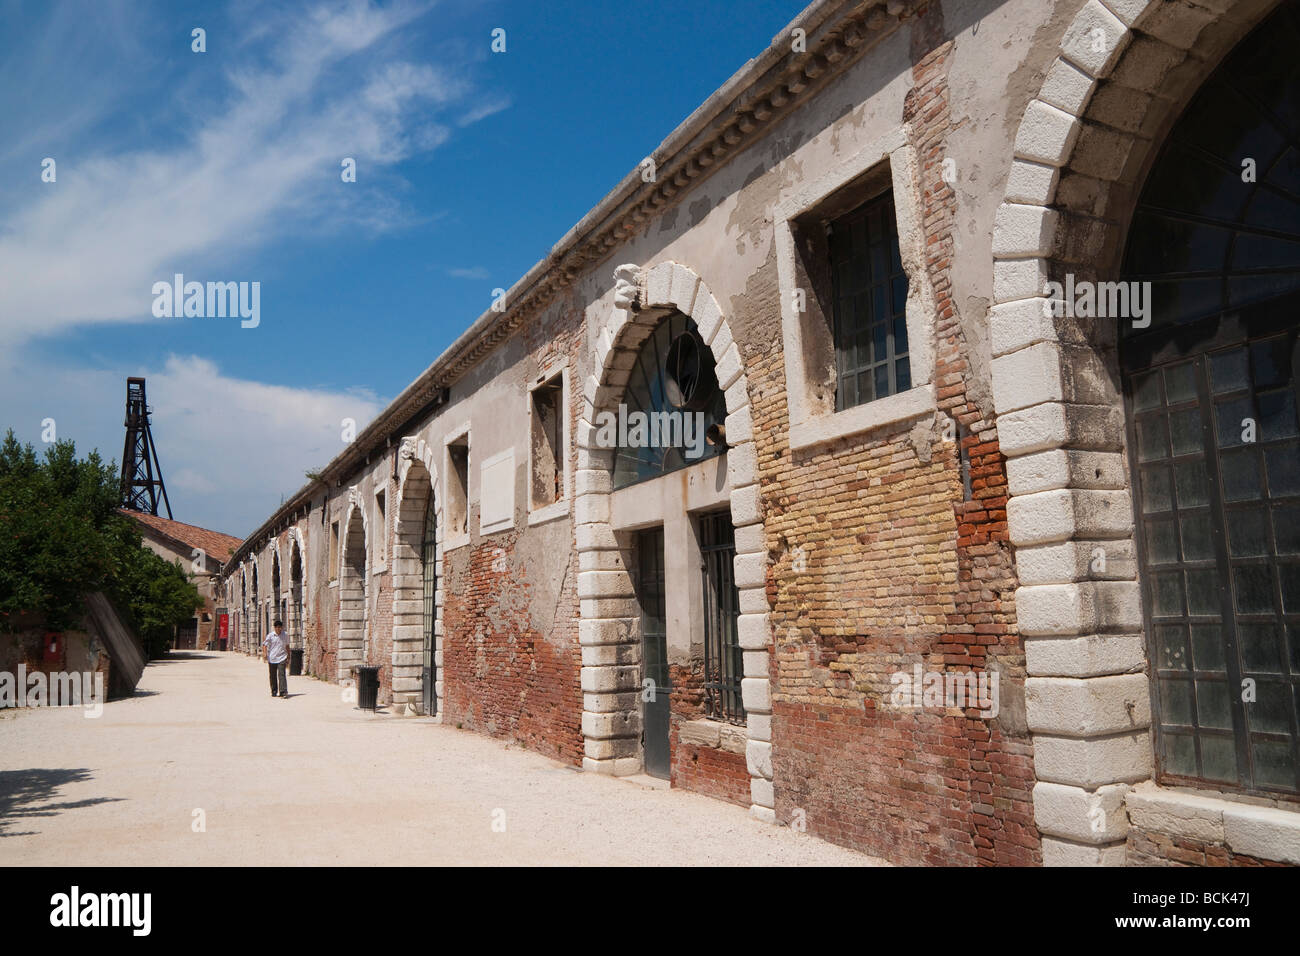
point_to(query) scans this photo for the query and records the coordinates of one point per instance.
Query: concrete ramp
(124, 647)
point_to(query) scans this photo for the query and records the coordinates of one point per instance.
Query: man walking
(277, 657)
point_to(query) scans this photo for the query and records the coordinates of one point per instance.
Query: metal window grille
(722, 655)
(869, 300)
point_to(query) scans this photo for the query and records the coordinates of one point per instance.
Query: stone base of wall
(1162, 849)
(1170, 826)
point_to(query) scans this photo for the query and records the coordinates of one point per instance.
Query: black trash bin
(367, 687)
(295, 662)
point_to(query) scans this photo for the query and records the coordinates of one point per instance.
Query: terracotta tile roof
(214, 543)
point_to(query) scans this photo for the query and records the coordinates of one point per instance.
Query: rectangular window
(868, 304)
(458, 486)
(549, 443)
(334, 550)
(381, 524)
(723, 662)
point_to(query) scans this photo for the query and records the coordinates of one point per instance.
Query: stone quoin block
(759, 726)
(1067, 87)
(1128, 11)
(1087, 816)
(722, 341)
(598, 680)
(708, 317)
(754, 631)
(682, 289)
(1094, 39)
(746, 507)
(1029, 184)
(1064, 853)
(1057, 610)
(756, 694)
(1087, 707)
(742, 465)
(1060, 468)
(730, 366)
(1056, 425)
(758, 759)
(1065, 562)
(1092, 762)
(1049, 516)
(755, 664)
(1046, 134)
(1020, 231)
(1018, 278)
(658, 284)
(1020, 323)
(1091, 655)
(751, 570)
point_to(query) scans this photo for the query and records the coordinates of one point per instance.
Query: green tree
(62, 537)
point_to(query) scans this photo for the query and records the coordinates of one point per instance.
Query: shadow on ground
(26, 793)
(174, 657)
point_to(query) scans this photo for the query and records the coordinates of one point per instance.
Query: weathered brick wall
(504, 674)
(716, 768)
(900, 569)
(501, 676)
(1151, 848)
(712, 771)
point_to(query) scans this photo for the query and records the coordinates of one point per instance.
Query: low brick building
(201, 553)
(985, 312)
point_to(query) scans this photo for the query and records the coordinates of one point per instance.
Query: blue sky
(225, 166)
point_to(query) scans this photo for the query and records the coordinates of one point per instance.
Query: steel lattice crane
(142, 482)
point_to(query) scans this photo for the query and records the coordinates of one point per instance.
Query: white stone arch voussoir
(417, 486)
(353, 604)
(609, 612)
(1060, 418)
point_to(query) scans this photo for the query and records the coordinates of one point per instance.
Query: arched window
(671, 401)
(1214, 439)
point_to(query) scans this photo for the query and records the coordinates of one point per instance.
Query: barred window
(869, 300)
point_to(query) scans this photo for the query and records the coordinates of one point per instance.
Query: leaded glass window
(1214, 438)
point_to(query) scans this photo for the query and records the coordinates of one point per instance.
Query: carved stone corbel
(627, 287)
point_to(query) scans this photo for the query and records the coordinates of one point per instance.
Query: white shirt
(277, 649)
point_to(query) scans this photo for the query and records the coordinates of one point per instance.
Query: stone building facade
(889, 265)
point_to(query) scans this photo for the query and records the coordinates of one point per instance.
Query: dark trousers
(282, 670)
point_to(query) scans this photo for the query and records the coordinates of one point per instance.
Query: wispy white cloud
(263, 161)
(477, 272)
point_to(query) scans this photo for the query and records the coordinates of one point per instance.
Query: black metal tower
(142, 482)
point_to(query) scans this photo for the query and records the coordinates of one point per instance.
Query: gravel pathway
(311, 780)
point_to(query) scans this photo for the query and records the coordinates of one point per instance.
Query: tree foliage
(61, 537)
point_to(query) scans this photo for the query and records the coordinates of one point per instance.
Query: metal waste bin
(367, 686)
(295, 662)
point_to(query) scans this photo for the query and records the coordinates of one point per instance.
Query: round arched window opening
(1211, 380)
(671, 403)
